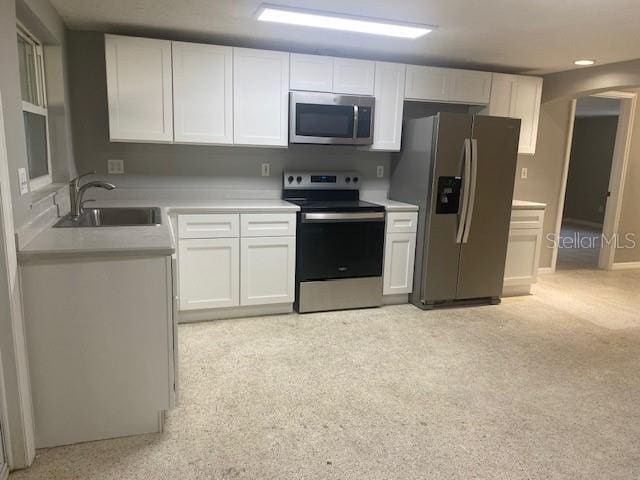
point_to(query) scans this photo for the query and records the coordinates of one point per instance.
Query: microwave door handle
(472, 188)
(355, 122)
(466, 176)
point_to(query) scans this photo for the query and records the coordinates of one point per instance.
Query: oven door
(339, 245)
(326, 118)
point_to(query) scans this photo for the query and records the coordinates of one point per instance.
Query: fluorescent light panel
(268, 13)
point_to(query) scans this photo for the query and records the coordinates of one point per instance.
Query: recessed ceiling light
(584, 62)
(307, 18)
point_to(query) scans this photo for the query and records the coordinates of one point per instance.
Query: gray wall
(235, 169)
(584, 81)
(545, 168)
(42, 19)
(590, 168)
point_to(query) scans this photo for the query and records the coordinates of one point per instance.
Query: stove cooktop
(336, 205)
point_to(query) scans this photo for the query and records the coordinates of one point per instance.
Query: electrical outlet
(380, 171)
(524, 173)
(115, 167)
(23, 181)
(266, 169)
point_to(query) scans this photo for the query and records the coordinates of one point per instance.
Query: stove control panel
(322, 180)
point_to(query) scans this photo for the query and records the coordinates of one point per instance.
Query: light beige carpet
(540, 387)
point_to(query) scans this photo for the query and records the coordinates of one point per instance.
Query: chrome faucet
(76, 192)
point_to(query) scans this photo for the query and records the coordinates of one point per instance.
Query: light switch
(23, 181)
(266, 169)
(380, 171)
(524, 173)
(115, 167)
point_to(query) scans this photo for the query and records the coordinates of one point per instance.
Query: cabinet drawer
(526, 219)
(402, 222)
(268, 224)
(216, 225)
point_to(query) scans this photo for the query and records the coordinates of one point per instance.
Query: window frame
(41, 107)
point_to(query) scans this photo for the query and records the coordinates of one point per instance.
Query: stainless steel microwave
(330, 119)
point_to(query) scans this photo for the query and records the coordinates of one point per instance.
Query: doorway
(594, 173)
(591, 158)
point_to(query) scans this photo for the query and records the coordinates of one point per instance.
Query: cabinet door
(139, 91)
(527, 108)
(427, 83)
(202, 93)
(267, 270)
(389, 93)
(311, 72)
(399, 255)
(470, 87)
(209, 273)
(260, 97)
(523, 253)
(503, 95)
(355, 77)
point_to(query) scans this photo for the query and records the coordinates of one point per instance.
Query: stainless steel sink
(113, 217)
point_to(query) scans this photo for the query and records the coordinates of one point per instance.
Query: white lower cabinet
(231, 260)
(267, 270)
(209, 272)
(399, 255)
(523, 252)
(399, 252)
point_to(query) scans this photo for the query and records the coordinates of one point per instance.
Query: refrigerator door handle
(465, 190)
(472, 188)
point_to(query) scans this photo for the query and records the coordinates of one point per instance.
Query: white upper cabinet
(203, 93)
(433, 84)
(470, 87)
(427, 84)
(518, 96)
(139, 89)
(354, 77)
(260, 97)
(389, 93)
(311, 72)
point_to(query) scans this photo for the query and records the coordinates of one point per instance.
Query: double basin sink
(113, 217)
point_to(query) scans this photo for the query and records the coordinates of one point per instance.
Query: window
(34, 108)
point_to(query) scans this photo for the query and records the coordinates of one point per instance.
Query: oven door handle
(343, 217)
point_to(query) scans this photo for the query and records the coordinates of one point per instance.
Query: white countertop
(153, 240)
(393, 205)
(525, 205)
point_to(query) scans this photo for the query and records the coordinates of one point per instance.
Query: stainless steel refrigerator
(460, 170)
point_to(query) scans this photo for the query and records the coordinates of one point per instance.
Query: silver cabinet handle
(472, 188)
(343, 217)
(466, 176)
(355, 122)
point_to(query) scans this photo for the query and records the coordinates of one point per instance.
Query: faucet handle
(74, 182)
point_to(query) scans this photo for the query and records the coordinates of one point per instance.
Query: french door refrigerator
(460, 170)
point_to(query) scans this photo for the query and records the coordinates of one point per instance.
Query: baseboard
(584, 223)
(626, 266)
(395, 299)
(546, 270)
(516, 290)
(189, 316)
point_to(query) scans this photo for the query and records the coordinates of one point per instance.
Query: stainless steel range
(340, 242)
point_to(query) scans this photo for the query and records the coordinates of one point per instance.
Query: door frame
(4, 427)
(619, 165)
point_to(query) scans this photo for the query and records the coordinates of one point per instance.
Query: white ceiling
(538, 36)
(597, 107)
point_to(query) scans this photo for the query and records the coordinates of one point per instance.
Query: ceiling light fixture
(307, 18)
(584, 63)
